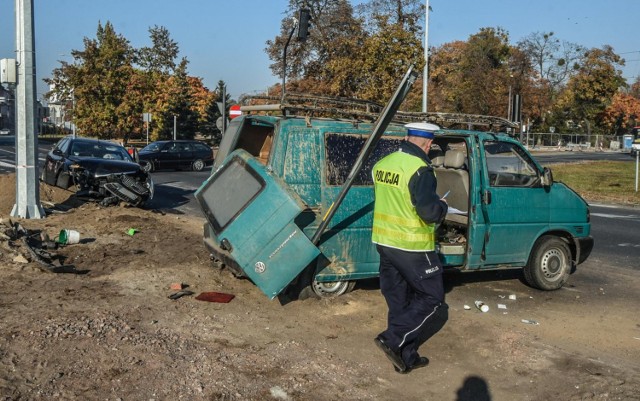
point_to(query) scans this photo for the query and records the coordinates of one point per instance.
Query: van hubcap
(553, 264)
(333, 288)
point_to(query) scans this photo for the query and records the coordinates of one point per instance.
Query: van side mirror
(547, 177)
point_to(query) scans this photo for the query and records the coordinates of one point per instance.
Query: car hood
(102, 167)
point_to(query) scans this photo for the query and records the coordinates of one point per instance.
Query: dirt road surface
(112, 333)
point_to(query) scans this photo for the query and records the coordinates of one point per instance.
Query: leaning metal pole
(27, 186)
(284, 60)
(380, 126)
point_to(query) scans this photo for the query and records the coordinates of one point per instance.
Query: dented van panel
(276, 177)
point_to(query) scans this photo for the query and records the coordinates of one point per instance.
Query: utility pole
(27, 184)
(425, 74)
(175, 117)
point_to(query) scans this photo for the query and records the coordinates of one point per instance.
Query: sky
(225, 40)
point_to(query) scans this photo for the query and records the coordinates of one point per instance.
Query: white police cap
(424, 130)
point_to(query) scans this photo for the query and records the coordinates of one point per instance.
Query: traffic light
(304, 23)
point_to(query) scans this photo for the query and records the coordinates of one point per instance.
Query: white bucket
(68, 237)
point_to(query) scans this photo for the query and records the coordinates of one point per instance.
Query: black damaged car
(100, 170)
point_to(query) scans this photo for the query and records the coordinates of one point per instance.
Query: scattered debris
(278, 393)
(502, 306)
(132, 231)
(20, 259)
(177, 286)
(215, 297)
(529, 321)
(482, 306)
(68, 237)
(467, 307)
(501, 296)
(37, 244)
(180, 294)
(512, 297)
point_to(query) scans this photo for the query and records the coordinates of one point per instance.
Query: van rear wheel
(331, 289)
(549, 264)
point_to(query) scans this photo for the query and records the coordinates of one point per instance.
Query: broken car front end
(111, 182)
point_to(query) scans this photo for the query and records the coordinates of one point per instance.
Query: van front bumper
(584, 245)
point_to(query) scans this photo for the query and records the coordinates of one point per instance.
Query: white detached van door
(252, 213)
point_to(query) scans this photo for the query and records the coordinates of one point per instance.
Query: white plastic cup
(68, 237)
(482, 306)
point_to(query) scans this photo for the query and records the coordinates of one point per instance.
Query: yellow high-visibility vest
(396, 223)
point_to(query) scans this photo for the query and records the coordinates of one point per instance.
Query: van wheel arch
(550, 263)
(306, 286)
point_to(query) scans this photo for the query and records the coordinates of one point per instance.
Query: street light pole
(174, 126)
(73, 112)
(425, 74)
(27, 185)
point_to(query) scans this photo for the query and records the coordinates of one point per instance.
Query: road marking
(3, 164)
(626, 244)
(617, 216)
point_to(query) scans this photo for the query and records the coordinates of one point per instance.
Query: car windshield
(99, 151)
(152, 147)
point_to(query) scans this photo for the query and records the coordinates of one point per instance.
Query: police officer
(406, 213)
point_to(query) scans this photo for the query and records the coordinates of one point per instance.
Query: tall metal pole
(284, 61)
(637, 162)
(174, 126)
(27, 184)
(224, 109)
(73, 112)
(425, 74)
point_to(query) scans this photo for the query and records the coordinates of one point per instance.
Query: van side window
(342, 151)
(508, 165)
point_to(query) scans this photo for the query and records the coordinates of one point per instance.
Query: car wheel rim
(553, 264)
(198, 165)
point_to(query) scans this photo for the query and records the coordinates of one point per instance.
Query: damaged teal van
(280, 168)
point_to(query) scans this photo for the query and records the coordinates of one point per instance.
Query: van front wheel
(549, 264)
(331, 289)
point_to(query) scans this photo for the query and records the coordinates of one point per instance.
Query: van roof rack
(298, 104)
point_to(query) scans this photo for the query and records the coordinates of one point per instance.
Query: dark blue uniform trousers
(411, 283)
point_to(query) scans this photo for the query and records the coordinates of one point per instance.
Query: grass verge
(600, 181)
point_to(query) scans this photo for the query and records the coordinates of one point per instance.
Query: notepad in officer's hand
(453, 210)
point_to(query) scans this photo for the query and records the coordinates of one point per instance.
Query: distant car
(179, 155)
(101, 170)
(5, 131)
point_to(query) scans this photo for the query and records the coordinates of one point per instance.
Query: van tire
(331, 289)
(549, 264)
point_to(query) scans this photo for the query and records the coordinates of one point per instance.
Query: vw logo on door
(260, 267)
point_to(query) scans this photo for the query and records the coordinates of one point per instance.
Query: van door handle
(486, 197)
(226, 245)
